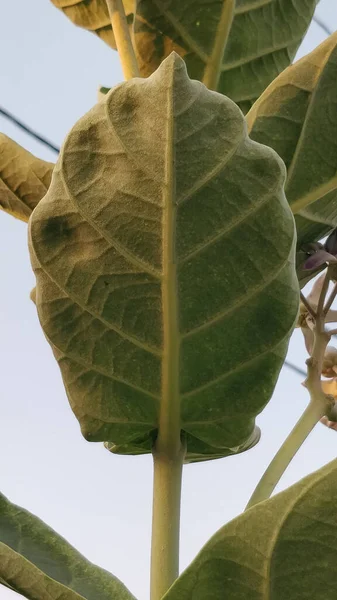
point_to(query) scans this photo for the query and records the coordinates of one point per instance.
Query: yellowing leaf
(297, 116)
(24, 179)
(93, 15)
(164, 259)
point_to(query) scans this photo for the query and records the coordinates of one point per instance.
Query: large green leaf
(164, 258)
(94, 16)
(297, 116)
(282, 549)
(39, 564)
(24, 179)
(262, 41)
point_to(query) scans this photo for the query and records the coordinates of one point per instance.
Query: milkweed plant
(170, 243)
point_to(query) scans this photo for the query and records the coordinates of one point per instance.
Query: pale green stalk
(123, 40)
(311, 416)
(318, 407)
(165, 521)
(213, 68)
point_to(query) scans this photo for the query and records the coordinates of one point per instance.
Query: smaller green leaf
(24, 179)
(41, 565)
(297, 116)
(281, 549)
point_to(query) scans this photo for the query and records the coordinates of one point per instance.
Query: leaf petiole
(123, 40)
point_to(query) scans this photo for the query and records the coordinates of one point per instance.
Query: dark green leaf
(39, 564)
(164, 252)
(263, 38)
(282, 549)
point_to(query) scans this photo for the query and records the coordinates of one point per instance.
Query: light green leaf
(24, 179)
(94, 16)
(39, 564)
(297, 116)
(282, 549)
(164, 258)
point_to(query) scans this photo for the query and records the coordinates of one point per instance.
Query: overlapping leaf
(297, 116)
(39, 564)
(164, 258)
(282, 549)
(24, 179)
(262, 41)
(94, 16)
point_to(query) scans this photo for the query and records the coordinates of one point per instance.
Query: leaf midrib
(169, 413)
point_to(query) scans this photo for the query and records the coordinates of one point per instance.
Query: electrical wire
(322, 25)
(294, 368)
(5, 113)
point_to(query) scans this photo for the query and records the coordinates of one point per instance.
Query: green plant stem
(213, 67)
(312, 414)
(165, 521)
(320, 404)
(123, 40)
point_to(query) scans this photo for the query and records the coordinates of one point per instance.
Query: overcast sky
(101, 503)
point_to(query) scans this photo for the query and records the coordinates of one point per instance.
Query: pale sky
(99, 502)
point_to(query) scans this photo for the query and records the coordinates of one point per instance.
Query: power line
(322, 25)
(294, 368)
(28, 130)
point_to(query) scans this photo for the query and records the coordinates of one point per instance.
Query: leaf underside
(297, 116)
(281, 549)
(263, 39)
(24, 179)
(165, 245)
(41, 565)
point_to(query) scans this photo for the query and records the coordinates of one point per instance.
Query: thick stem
(165, 521)
(122, 37)
(213, 67)
(318, 406)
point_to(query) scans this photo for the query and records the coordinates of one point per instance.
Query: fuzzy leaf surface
(24, 179)
(164, 259)
(297, 116)
(41, 565)
(281, 549)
